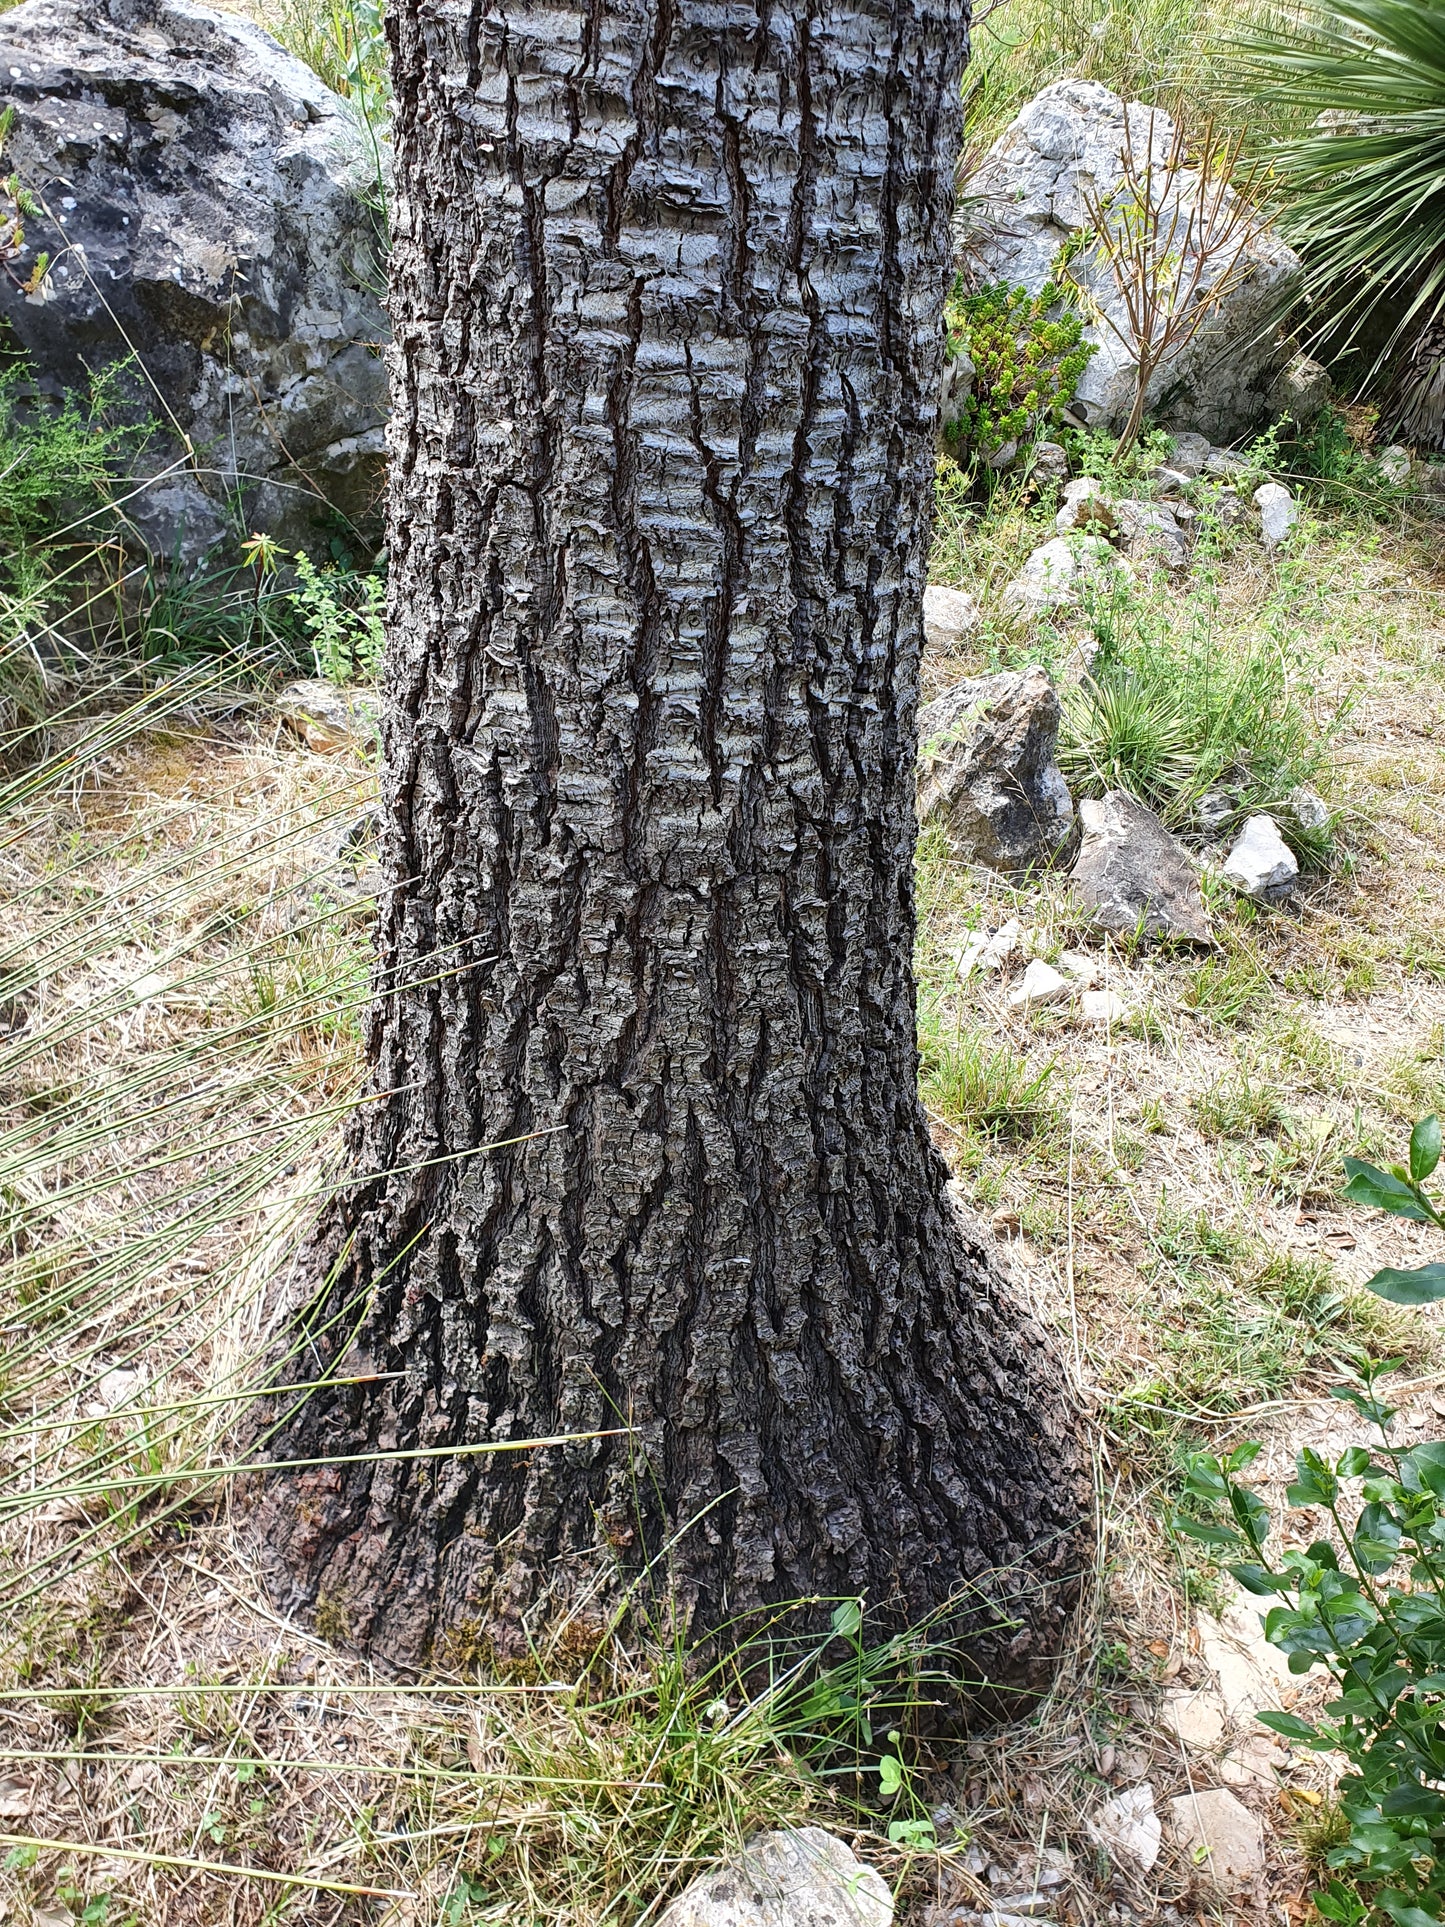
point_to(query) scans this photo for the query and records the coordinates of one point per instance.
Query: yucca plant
(1362, 189)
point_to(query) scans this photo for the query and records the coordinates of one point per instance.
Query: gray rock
(214, 190)
(1170, 481)
(1261, 864)
(1030, 184)
(986, 766)
(1212, 811)
(1085, 505)
(1189, 454)
(1055, 576)
(1224, 463)
(1150, 531)
(1394, 464)
(803, 1877)
(1049, 463)
(329, 719)
(949, 618)
(1133, 876)
(1308, 808)
(1225, 508)
(1278, 513)
(958, 376)
(1301, 389)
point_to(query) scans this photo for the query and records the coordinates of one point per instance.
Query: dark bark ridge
(667, 294)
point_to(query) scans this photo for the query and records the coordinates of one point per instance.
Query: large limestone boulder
(1028, 198)
(204, 201)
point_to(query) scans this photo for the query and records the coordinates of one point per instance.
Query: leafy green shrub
(1028, 356)
(340, 611)
(1367, 1603)
(57, 467)
(1401, 1192)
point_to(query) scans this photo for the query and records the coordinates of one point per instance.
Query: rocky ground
(1154, 1130)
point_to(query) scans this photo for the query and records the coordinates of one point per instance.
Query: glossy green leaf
(1290, 1725)
(1425, 1286)
(1380, 1191)
(1424, 1148)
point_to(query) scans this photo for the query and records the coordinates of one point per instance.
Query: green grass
(983, 1088)
(1177, 706)
(1158, 51)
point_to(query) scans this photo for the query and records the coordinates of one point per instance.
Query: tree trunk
(667, 289)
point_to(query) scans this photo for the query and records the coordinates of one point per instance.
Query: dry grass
(182, 957)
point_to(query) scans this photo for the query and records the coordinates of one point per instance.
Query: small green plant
(1175, 238)
(1401, 1192)
(341, 613)
(1171, 710)
(1238, 1107)
(1028, 355)
(1368, 1605)
(344, 44)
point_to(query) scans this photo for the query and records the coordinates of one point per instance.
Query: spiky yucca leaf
(1363, 188)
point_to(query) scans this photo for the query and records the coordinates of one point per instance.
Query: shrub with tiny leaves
(1028, 356)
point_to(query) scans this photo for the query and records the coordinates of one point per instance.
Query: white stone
(1278, 512)
(1197, 1717)
(803, 1877)
(1261, 864)
(1041, 984)
(1055, 575)
(1254, 1762)
(1221, 1832)
(949, 618)
(1103, 1007)
(1079, 964)
(1253, 1676)
(1394, 464)
(1128, 1827)
(985, 952)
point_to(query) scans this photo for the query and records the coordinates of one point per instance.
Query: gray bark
(667, 302)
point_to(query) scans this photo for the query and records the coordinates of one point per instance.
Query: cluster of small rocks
(988, 772)
(1102, 538)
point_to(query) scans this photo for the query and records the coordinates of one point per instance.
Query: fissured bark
(667, 292)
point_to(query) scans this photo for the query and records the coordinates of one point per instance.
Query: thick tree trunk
(667, 288)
